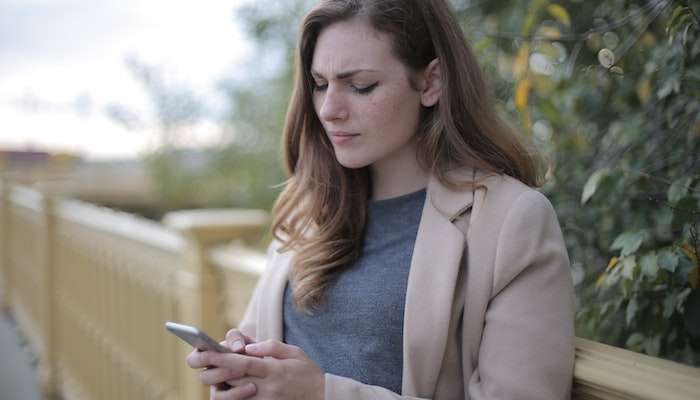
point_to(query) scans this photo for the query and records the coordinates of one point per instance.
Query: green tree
(610, 91)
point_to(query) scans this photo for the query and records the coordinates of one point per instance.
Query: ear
(432, 89)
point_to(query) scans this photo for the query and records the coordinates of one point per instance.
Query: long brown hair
(321, 213)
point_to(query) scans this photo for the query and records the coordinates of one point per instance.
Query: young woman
(412, 257)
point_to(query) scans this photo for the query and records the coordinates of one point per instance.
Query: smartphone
(196, 338)
(199, 340)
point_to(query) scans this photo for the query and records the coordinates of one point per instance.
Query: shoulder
(501, 197)
(515, 227)
(490, 196)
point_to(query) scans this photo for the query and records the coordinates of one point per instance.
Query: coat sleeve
(527, 346)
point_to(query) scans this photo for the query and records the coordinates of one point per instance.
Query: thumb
(236, 340)
(273, 348)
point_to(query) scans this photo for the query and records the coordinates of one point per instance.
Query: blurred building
(122, 184)
(29, 166)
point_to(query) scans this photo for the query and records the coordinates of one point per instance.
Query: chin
(351, 162)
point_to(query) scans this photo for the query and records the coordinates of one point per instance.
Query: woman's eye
(319, 87)
(364, 89)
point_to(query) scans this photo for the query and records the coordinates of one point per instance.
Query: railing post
(4, 246)
(47, 363)
(200, 287)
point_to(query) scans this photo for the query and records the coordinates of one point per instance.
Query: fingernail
(252, 388)
(251, 347)
(237, 346)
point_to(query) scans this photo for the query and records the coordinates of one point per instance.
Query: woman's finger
(274, 348)
(239, 363)
(236, 340)
(236, 393)
(235, 382)
(195, 360)
(214, 376)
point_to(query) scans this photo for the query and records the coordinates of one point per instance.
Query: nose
(331, 105)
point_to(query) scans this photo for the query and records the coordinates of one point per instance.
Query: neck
(397, 176)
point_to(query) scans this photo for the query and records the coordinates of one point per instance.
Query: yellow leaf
(644, 91)
(550, 32)
(613, 262)
(522, 92)
(648, 39)
(559, 13)
(600, 279)
(694, 277)
(521, 62)
(526, 121)
(690, 253)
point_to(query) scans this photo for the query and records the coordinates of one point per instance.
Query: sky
(63, 65)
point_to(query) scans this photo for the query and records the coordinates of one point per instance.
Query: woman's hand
(236, 341)
(269, 370)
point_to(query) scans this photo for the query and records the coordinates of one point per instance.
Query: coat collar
(435, 266)
(450, 203)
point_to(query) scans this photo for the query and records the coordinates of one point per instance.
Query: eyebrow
(345, 74)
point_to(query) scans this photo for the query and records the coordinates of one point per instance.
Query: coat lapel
(270, 318)
(432, 280)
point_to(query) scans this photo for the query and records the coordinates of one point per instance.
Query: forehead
(353, 44)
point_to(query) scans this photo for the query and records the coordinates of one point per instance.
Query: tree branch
(574, 37)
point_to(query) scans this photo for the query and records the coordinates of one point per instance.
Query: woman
(412, 259)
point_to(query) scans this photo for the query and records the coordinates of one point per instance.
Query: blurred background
(154, 107)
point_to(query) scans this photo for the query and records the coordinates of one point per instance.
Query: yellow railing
(91, 288)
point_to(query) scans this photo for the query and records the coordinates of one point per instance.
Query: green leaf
(532, 14)
(632, 307)
(652, 346)
(692, 313)
(550, 111)
(684, 212)
(591, 185)
(677, 12)
(650, 265)
(669, 305)
(680, 299)
(668, 260)
(628, 243)
(629, 264)
(635, 341)
(671, 85)
(679, 189)
(617, 70)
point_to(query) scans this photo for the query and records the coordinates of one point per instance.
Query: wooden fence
(91, 289)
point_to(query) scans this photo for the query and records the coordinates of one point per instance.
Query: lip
(342, 137)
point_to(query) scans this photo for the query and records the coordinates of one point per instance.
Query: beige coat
(489, 304)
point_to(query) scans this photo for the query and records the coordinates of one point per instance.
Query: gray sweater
(358, 333)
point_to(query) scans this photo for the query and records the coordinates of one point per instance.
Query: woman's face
(363, 96)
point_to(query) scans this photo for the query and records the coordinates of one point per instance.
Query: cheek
(397, 112)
